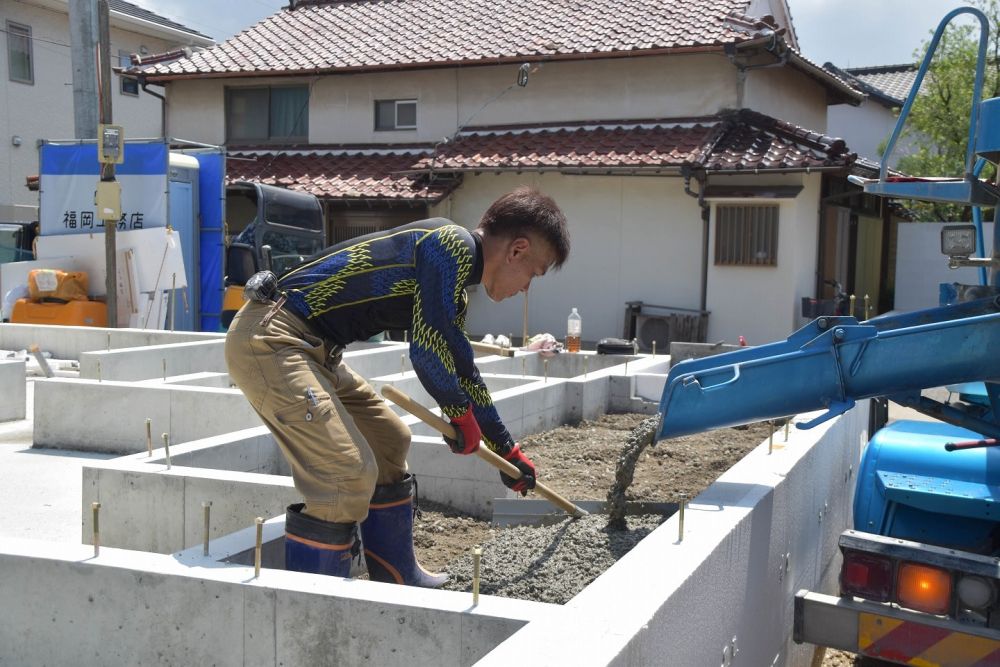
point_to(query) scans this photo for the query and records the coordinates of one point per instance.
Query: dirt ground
(579, 462)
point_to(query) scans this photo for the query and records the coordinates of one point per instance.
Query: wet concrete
(549, 563)
(640, 437)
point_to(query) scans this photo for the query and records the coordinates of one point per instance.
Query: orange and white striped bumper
(892, 634)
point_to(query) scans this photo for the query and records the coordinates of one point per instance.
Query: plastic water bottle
(574, 327)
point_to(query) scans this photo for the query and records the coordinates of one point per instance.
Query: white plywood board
(157, 254)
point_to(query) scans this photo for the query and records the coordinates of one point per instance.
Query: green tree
(938, 122)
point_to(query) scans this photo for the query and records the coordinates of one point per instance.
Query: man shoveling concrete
(345, 446)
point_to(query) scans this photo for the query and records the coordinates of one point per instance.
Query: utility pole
(108, 167)
(83, 39)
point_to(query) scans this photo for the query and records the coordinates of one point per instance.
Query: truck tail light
(976, 592)
(924, 588)
(866, 576)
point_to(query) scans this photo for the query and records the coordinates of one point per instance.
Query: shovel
(508, 468)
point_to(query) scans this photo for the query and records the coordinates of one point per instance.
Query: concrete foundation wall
(70, 342)
(12, 390)
(129, 608)
(111, 416)
(157, 361)
(766, 528)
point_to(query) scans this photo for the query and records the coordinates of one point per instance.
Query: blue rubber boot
(318, 547)
(387, 535)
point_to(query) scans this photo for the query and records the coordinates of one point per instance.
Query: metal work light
(866, 576)
(924, 588)
(958, 240)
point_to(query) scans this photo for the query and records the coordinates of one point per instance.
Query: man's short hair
(526, 210)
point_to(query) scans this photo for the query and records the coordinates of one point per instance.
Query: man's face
(524, 259)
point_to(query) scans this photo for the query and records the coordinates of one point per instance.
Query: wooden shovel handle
(485, 453)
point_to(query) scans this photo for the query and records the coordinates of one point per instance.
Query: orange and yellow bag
(53, 285)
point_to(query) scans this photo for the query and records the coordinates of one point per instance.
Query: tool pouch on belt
(261, 287)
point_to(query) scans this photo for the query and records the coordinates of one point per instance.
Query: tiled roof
(738, 141)
(889, 84)
(316, 37)
(735, 141)
(135, 11)
(339, 173)
(374, 34)
(893, 80)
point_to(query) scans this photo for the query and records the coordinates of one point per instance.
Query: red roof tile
(335, 175)
(743, 140)
(739, 141)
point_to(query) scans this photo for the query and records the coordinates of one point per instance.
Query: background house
(867, 126)
(36, 84)
(685, 140)
(867, 226)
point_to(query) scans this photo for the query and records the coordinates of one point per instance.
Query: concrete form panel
(750, 541)
(156, 361)
(69, 342)
(12, 388)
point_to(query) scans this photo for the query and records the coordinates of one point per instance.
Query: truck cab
(267, 227)
(16, 240)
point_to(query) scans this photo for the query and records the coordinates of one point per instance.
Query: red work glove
(523, 463)
(467, 433)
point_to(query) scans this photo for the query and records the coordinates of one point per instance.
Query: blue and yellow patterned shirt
(410, 277)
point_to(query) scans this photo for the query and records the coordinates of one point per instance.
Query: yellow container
(73, 313)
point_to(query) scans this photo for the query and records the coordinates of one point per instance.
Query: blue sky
(848, 33)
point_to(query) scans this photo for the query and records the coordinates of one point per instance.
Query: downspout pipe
(706, 211)
(163, 102)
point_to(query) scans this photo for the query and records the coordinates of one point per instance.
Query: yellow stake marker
(867, 306)
(654, 347)
(851, 311)
(256, 550)
(96, 507)
(477, 555)
(149, 436)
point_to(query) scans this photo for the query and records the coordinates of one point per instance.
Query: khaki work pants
(339, 437)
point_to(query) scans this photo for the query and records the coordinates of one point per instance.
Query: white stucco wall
(763, 303)
(921, 268)
(865, 127)
(633, 239)
(44, 109)
(788, 95)
(341, 107)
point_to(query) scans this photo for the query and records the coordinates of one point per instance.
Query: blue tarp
(212, 200)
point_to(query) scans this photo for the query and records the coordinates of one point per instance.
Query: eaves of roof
(741, 141)
(877, 94)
